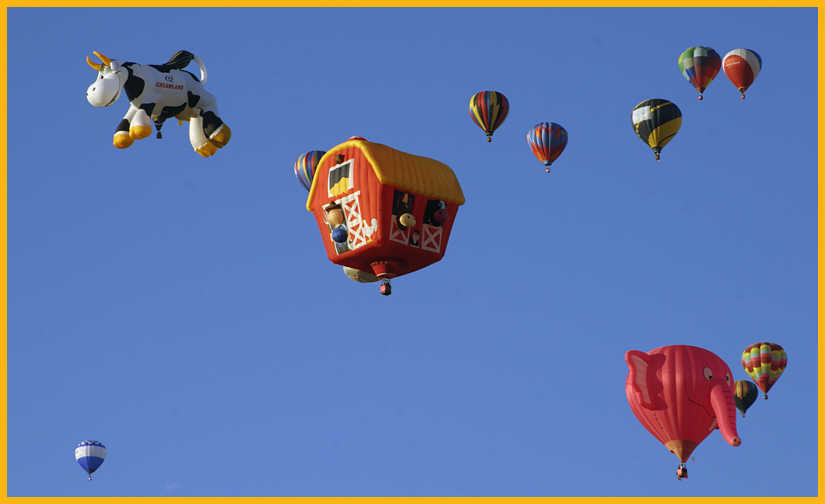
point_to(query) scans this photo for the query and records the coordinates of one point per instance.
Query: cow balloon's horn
(106, 61)
(96, 66)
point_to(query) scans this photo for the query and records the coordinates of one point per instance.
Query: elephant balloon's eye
(708, 373)
(727, 378)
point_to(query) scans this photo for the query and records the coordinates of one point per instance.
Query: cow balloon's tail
(181, 60)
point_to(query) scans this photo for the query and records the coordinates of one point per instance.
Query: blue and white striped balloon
(90, 454)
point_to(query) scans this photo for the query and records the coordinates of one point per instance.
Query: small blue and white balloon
(90, 454)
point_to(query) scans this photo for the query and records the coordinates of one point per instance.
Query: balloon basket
(385, 289)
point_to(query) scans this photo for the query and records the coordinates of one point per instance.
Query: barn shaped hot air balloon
(383, 211)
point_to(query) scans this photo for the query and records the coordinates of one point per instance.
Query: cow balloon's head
(111, 76)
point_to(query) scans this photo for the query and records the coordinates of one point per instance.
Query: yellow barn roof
(408, 172)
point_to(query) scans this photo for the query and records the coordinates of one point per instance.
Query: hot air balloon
(304, 167)
(742, 66)
(680, 394)
(90, 454)
(157, 93)
(764, 362)
(547, 140)
(656, 122)
(488, 109)
(699, 65)
(382, 211)
(744, 395)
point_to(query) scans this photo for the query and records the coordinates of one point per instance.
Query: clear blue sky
(182, 310)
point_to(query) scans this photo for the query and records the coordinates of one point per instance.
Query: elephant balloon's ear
(642, 378)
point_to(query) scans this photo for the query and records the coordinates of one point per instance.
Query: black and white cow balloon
(157, 93)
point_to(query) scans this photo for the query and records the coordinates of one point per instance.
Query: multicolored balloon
(90, 454)
(305, 166)
(742, 66)
(488, 109)
(699, 65)
(547, 140)
(656, 122)
(745, 394)
(764, 362)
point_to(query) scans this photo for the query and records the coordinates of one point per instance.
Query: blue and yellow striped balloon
(305, 166)
(488, 109)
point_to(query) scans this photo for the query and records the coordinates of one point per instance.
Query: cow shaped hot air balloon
(680, 394)
(157, 93)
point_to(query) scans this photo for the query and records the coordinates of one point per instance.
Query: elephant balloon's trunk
(721, 400)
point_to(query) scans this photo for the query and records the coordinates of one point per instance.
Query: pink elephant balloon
(681, 394)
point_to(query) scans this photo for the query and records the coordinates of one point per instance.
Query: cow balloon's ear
(642, 378)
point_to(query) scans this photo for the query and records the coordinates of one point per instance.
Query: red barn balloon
(383, 211)
(680, 394)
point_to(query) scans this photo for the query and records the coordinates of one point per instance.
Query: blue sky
(182, 310)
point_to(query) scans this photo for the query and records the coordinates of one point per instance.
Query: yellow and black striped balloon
(656, 122)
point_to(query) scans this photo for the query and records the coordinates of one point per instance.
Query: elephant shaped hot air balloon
(699, 65)
(547, 141)
(488, 109)
(680, 394)
(764, 362)
(90, 454)
(656, 122)
(741, 67)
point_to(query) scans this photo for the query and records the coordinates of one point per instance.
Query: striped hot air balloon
(742, 66)
(699, 65)
(304, 167)
(656, 122)
(547, 140)
(488, 109)
(90, 454)
(745, 394)
(764, 362)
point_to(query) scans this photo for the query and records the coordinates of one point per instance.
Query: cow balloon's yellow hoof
(221, 136)
(138, 132)
(207, 149)
(122, 140)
